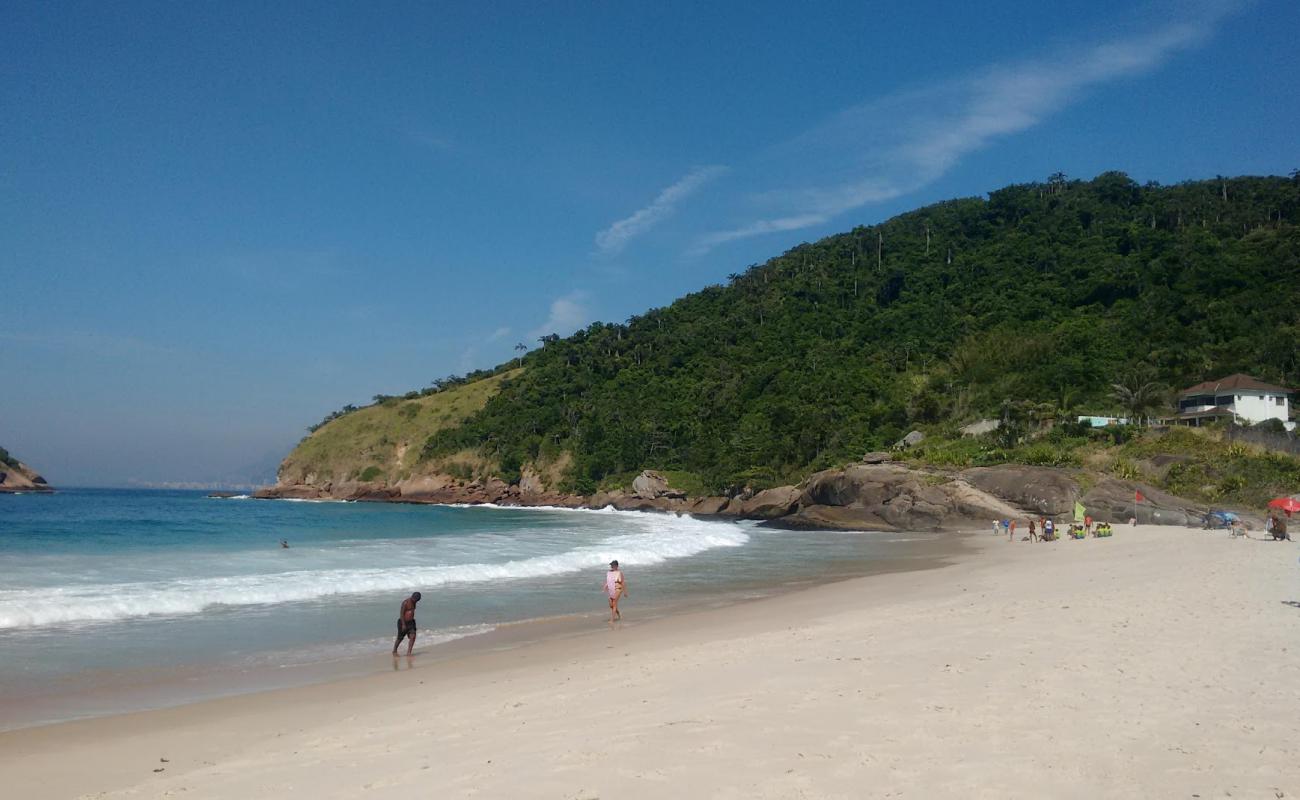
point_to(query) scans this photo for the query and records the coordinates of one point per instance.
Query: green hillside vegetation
(1030, 303)
(1035, 304)
(1200, 464)
(384, 440)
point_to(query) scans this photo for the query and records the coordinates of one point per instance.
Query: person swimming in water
(615, 588)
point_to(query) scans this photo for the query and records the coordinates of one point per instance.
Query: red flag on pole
(1138, 497)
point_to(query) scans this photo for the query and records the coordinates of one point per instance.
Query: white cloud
(711, 240)
(429, 138)
(900, 143)
(614, 238)
(567, 314)
(499, 334)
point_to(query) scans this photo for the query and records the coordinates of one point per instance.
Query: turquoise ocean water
(115, 599)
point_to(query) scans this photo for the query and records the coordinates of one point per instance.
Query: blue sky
(219, 222)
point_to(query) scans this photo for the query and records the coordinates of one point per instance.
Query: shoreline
(1154, 663)
(507, 648)
(877, 494)
(492, 656)
(100, 694)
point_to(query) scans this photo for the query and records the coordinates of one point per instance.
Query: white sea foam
(653, 539)
(306, 655)
(312, 500)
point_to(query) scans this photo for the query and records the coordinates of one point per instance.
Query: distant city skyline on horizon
(223, 223)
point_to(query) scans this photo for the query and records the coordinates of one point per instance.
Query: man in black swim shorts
(406, 623)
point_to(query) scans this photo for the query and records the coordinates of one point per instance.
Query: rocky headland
(15, 476)
(876, 494)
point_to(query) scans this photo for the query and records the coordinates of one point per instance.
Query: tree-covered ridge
(1045, 294)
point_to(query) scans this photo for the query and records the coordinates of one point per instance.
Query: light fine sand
(1163, 662)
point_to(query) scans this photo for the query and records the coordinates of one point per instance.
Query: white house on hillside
(1237, 397)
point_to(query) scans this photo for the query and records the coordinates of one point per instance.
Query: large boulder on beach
(861, 485)
(1113, 500)
(650, 485)
(890, 497)
(770, 503)
(1039, 490)
(707, 505)
(879, 496)
(634, 503)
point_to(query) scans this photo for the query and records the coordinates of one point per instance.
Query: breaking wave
(654, 540)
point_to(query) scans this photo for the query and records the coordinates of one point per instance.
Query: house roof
(1234, 382)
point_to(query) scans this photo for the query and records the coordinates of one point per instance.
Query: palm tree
(1138, 396)
(519, 359)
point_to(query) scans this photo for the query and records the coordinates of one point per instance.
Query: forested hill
(1042, 295)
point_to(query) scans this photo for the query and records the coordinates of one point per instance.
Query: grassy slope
(1197, 464)
(384, 440)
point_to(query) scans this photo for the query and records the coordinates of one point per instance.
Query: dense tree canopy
(1046, 293)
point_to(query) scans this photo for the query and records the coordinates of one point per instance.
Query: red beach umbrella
(1287, 504)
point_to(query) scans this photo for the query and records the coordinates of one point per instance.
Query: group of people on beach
(1046, 529)
(615, 587)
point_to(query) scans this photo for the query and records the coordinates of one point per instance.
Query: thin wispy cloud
(614, 238)
(567, 314)
(900, 143)
(430, 139)
(499, 334)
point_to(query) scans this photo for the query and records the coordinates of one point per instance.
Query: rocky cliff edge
(15, 476)
(867, 496)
